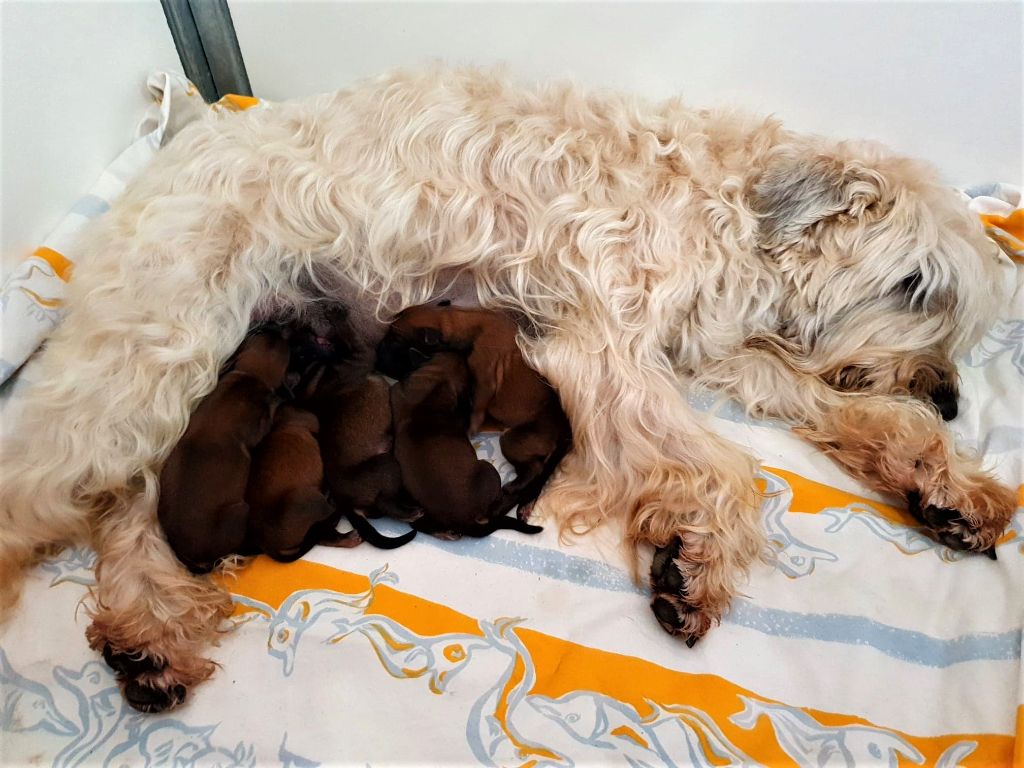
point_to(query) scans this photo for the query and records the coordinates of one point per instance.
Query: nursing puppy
(459, 493)
(288, 513)
(506, 391)
(356, 445)
(202, 506)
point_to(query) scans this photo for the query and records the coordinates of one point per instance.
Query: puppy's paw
(670, 600)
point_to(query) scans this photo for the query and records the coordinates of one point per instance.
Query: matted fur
(645, 245)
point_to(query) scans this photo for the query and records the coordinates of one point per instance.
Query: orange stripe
(810, 498)
(1012, 224)
(563, 667)
(47, 303)
(61, 265)
(236, 102)
(1018, 748)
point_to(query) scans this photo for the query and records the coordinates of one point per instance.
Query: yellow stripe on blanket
(62, 265)
(1007, 231)
(731, 723)
(234, 102)
(1018, 749)
(810, 498)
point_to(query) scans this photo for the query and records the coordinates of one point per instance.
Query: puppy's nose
(944, 398)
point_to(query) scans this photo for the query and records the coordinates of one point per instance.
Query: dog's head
(887, 277)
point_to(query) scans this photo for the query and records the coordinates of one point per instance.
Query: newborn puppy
(202, 486)
(356, 445)
(506, 390)
(288, 513)
(321, 335)
(458, 492)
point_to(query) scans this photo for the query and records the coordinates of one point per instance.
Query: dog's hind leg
(163, 294)
(150, 609)
(641, 452)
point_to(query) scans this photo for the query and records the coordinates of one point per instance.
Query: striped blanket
(864, 644)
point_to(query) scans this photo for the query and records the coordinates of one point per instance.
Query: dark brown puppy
(506, 390)
(356, 445)
(288, 513)
(459, 493)
(202, 486)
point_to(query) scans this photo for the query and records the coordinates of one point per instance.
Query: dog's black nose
(945, 400)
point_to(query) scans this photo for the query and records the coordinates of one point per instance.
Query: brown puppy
(288, 513)
(459, 493)
(506, 390)
(202, 486)
(356, 445)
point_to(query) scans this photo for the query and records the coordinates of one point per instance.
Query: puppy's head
(264, 354)
(322, 335)
(887, 277)
(414, 337)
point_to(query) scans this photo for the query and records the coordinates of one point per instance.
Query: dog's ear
(797, 191)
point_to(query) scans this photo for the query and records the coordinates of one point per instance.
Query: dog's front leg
(901, 447)
(152, 619)
(639, 451)
(895, 445)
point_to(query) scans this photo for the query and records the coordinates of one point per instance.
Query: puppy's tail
(512, 524)
(372, 536)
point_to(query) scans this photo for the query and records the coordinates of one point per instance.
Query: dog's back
(202, 505)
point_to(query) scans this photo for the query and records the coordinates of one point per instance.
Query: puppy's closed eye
(430, 338)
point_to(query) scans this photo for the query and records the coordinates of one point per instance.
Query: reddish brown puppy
(459, 493)
(506, 391)
(202, 506)
(288, 512)
(356, 445)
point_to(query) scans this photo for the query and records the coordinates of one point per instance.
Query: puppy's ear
(798, 190)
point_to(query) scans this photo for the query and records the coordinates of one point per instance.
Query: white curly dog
(646, 246)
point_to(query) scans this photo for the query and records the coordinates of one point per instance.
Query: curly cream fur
(644, 245)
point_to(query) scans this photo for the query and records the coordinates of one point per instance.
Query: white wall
(940, 81)
(72, 89)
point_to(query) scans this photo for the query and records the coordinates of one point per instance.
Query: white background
(937, 80)
(72, 89)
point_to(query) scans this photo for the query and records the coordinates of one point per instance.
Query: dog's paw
(958, 531)
(129, 664)
(670, 600)
(143, 682)
(151, 698)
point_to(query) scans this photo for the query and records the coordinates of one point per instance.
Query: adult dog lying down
(821, 282)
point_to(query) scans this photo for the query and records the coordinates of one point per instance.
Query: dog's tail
(372, 536)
